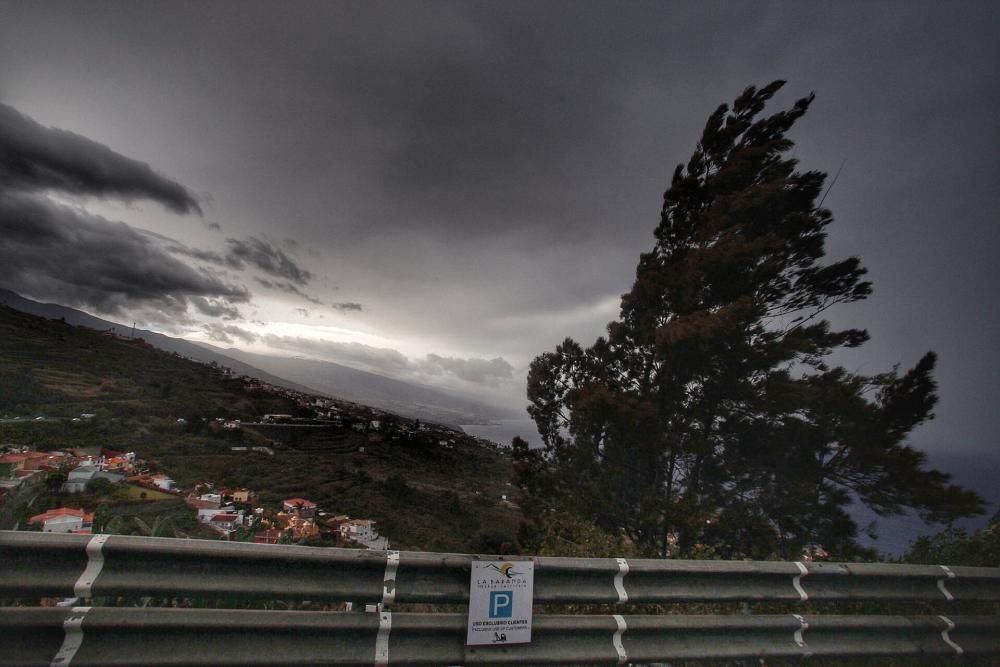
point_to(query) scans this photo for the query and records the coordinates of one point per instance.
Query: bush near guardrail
(110, 568)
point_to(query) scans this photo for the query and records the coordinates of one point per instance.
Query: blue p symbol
(501, 604)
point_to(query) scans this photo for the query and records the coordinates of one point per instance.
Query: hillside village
(227, 477)
(231, 513)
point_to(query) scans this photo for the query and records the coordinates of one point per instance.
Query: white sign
(500, 597)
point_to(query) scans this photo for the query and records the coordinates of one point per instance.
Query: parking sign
(500, 599)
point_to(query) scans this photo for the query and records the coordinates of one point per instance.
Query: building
(298, 527)
(199, 504)
(63, 520)
(359, 530)
(78, 478)
(226, 522)
(241, 495)
(163, 482)
(335, 522)
(271, 536)
(300, 506)
(41, 460)
(214, 498)
(124, 463)
(205, 515)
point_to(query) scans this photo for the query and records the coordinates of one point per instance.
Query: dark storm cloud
(265, 257)
(34, 157)
(53, 250)
(260, 255)
(473, 107)
(498, 117)
(215, 308)
(229, 333)
(48, 249)
(344, 306)
(287, 288)
(487, 372)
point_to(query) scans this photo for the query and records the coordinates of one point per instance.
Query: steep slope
(428, 488)
(309, 376)
(160, 341)
(52, 368)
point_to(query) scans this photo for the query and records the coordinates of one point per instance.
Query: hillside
(53, 369)
(424, 496)
(160, 341)
(306, 375)
(428, 487)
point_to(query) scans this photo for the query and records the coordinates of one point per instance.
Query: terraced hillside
(52, 369)
(423, 494)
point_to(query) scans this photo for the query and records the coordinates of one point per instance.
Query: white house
(212, 498)
(164, 482)
(359, 530)
(78, 478)
(206, 515)
(63, 520)
(226, 522)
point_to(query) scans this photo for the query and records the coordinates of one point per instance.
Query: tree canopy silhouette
(709, 417)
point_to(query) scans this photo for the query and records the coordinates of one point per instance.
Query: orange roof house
(271, 536)
(299, 506)
(63, 520)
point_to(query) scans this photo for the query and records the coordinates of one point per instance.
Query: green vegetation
(422, 495)
(956, 547)
(710, 421)
(50, 368)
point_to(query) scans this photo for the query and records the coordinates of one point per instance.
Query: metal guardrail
(178, 637)
(36, 565)
(45, 564)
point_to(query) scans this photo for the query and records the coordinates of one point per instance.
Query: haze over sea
(502, 431)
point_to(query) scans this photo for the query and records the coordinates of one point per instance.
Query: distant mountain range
(405, 398)
(308, 375)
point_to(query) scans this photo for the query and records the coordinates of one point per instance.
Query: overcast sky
(441, 191)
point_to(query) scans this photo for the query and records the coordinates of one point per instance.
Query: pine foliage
(710, 417)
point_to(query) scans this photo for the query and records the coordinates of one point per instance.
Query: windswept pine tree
(710, 415)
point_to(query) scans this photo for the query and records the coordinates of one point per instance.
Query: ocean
(503, 431)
